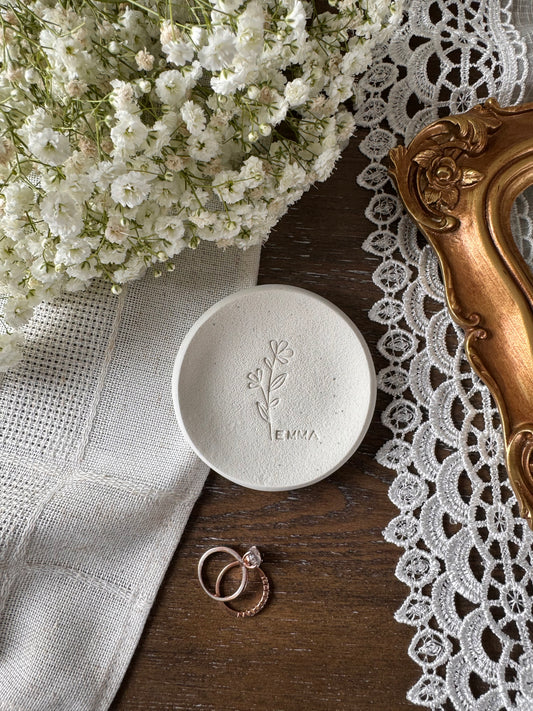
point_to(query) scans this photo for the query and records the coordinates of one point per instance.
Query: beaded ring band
(258, 606)
(251, 560)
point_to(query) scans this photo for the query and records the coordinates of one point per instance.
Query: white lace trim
(467, 556)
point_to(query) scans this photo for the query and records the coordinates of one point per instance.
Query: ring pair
(251, 560)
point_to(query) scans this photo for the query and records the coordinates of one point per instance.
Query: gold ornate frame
(459, 178)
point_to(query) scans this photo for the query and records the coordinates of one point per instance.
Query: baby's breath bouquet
(130, 131)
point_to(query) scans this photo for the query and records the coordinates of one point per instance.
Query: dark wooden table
(327, 639)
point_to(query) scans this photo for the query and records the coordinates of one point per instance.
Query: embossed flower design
(268, 380)
(444, 177)
(281, 351)
(254, 378)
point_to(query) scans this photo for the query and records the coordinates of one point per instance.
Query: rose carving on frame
(444, 178)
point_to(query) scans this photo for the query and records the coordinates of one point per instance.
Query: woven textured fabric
(96, 480)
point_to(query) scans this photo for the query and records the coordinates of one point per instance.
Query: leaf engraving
(278, 381)
(263, 412)
(425, 158)
(471, 176)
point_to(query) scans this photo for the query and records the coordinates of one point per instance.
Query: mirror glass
(522, 224)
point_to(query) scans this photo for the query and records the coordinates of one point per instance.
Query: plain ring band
(239, 561)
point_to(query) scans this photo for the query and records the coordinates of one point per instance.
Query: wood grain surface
(327, 639)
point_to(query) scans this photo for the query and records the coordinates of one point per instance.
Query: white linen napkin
(96, 480)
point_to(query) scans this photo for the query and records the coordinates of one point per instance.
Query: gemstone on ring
(252, 558)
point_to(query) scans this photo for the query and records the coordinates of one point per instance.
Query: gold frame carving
(459, 178)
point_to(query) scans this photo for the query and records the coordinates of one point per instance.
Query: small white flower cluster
(129, 131)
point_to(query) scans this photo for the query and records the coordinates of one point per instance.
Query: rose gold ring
(238, 560)
(258, 606)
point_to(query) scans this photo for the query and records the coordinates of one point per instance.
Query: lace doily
(467, 557)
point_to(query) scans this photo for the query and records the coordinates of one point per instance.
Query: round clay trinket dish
(274, 387)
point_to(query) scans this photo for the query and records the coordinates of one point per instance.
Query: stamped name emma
(296, 434)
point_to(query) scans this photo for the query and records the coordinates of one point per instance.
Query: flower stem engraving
(267, 380)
